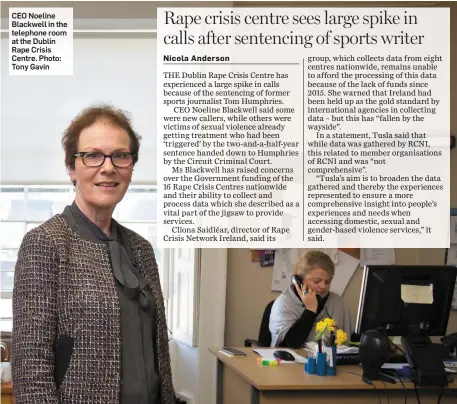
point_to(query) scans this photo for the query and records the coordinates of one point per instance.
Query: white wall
(37, 109)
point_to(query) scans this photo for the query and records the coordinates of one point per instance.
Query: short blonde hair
(314, 260)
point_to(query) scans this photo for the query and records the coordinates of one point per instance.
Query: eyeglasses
(95, 159)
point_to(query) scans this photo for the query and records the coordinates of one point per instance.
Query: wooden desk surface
(7, 393)
(291, 376)
(7, 388)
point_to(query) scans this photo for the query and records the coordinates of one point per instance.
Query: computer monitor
(406, 300)
(410, 301)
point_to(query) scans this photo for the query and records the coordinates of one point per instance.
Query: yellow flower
(330, 324)
(320, 326)
(324, 327)
(341, 337)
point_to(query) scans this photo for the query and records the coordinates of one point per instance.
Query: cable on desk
(379, 398)
(404, 387)
(415, 385)
(417, 393)
(388, 399)
(368, 381)
(347, 371)
(392, 374)
(441, 394)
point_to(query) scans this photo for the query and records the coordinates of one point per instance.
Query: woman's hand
(308, 297)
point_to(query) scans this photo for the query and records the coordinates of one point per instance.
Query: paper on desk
(343, 272)
(377, 256)
(344, 349)
(310, 346)
(450, 363)
(394, 365)
(450, 366)
(340, 349)
(267, 353)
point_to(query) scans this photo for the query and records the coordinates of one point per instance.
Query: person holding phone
(307, 301)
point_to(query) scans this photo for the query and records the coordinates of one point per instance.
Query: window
(183, 311)
(24, 207)
(34, 111)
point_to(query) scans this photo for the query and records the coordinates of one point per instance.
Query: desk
(242, 381)
(7, 393)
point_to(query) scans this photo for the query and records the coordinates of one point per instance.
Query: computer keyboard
(353, 359)
(347, 359)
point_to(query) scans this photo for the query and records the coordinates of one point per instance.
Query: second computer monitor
(406, 299)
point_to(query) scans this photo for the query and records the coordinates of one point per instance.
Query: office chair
(264, 339)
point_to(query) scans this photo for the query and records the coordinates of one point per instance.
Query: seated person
(296, 311)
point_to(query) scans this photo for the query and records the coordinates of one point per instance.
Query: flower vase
(321, 364)
(331, 360)
(310, 366)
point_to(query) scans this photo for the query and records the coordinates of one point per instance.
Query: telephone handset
(298, 280)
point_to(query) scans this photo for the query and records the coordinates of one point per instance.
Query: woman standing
(88, 314)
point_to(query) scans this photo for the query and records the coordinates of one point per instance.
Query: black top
(139, 379)
(298, 333)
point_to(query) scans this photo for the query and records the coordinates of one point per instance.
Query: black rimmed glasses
(96, 159)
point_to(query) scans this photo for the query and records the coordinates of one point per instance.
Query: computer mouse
(283, 355)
